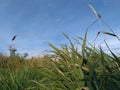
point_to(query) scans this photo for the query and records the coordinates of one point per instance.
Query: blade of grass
(94, 11)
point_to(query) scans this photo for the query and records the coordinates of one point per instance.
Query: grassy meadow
(69, 67)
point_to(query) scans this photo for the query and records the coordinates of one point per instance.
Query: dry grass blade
(110, 29)
(85, 69)
(104, 32)
(94, 11)
(85, 88)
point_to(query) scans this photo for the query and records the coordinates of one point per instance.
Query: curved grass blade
(110, 29)
(115, 57)
(94, 11)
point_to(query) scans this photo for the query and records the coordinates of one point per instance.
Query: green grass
(68, 68)
(89, 68)
(16, 73)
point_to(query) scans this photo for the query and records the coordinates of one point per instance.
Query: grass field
(68, 68)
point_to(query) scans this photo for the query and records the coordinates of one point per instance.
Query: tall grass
(68, 68)
(16, 73)
(92, 68)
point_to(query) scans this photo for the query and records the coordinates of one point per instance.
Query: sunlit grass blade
(94, 11)
(84, 44)
(111, 34)
(111, 29)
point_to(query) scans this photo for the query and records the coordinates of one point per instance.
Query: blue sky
(38, 22)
